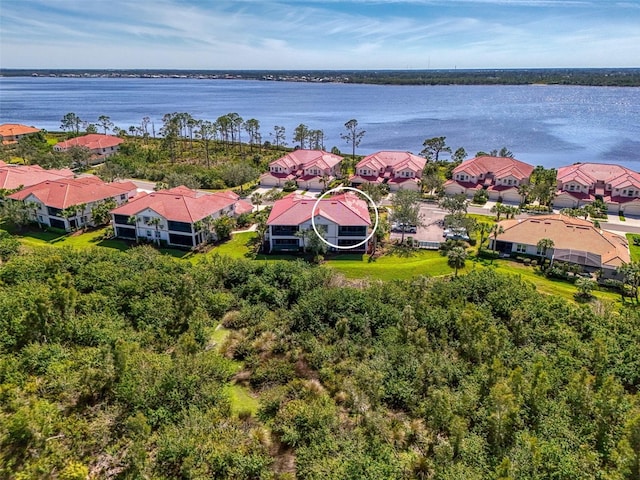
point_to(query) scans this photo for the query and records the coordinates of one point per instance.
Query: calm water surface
(542, 125)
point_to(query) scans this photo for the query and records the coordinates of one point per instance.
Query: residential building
(12, 132)
(396, 169)
(67, 203)
(582, 183)
(100, 145)
(499, 176)
(13, 177)
(176, 217)
(310, 169)
(343, 218)
(575, 241)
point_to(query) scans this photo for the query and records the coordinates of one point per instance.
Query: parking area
(432, 228)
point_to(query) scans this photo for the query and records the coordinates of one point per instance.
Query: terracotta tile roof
(344, 209)
(303, 158)
(182, 204)
(93, 141)
(10, 130)
(14, 176)
(74, 191)
(590, 173)
(567, 233)
(393, 159)
(500, 167)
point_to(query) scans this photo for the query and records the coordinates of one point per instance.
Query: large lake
(542, 125)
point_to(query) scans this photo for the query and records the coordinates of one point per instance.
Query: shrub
(534, 263)
(527, 261)
(488, 254)
(480, 197)
(289, 186)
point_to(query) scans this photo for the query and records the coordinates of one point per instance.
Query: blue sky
(331, 34)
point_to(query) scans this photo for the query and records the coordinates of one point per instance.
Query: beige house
(575, 241)
(499, 176)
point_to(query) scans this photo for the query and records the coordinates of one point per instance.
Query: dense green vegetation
(562, 76)
(111, 365)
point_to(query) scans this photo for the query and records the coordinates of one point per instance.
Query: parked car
(400, 227)
(457, 236)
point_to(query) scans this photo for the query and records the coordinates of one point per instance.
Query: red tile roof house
(179, 211)
(345, 219)
(575, 241)
(12, 132)
(582, 183)
(14, 177)
(500, 176)
(397, 169)
(100, 145)
(306, 167)
(55, 198)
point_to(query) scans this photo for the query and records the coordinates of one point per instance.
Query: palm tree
(495, 231)
(585, 286)
(543, 245)
(257, 199)
(155, 221)
(324, 180)
(303, 234)
(484, 229)
(34, 207)
(456, 258)
(523, 191)
(499, 209)
(631, 274)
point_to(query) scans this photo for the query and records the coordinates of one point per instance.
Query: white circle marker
(343, 247)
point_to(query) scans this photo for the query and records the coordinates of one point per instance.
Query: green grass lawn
(557, 287)
(397, 265)
(634, 250)
(34, 237)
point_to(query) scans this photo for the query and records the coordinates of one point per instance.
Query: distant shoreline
(619, 77)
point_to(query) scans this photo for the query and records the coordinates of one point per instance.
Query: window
(179, 226)
(352, 231)
(284, 229)
(157, 234)
(121, 219)
(572, 187)
(149, 233)
(624, 192)
(123, 196)
(146, 219)
(286, 241)
(520, 248)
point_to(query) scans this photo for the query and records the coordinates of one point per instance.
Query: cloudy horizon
(319, 35)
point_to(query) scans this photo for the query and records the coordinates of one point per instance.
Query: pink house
(582, 183)
(396, 169)
(176, 216)
(310, 169)
(500, 176)
(100, 145)
(67, 203)
(344, 219)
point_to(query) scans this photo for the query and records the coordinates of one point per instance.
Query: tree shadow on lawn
(402, 251)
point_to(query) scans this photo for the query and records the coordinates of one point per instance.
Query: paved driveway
(431, 230)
